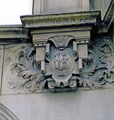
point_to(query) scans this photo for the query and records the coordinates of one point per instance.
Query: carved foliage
(24, 66)
(98, 69)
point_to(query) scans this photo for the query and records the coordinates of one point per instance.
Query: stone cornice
(108, 19)
(10, 34)
(61, 19)
(110, 12)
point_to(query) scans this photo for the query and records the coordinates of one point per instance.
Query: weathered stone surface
(10, 34)
(85, 5)
(1, 65)
(11, 55)
(101, 5)
(109, 16)
(65, 64)
(80, 105)
(6, 114)
(113, 34)
(25, 71)
(60, 19)
(36, 7)
(43, 36)
(57, 6)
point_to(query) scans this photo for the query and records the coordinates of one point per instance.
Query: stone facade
(59, 63)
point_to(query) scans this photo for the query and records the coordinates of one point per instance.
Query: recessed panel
(61, 5)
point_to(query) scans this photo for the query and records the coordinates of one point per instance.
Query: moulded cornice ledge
(108, 19)
(6, 114)
(12, 34)
(61, 19)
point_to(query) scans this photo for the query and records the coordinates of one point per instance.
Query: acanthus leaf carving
(24, 66)
(97, 71)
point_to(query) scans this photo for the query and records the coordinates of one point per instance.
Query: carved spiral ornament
(61, 67)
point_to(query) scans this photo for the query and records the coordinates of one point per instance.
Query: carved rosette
(63, 63)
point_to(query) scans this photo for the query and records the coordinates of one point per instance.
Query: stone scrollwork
(61, 66)
(99, 70)
(24, 66)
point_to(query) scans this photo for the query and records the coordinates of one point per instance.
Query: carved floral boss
(63, 63)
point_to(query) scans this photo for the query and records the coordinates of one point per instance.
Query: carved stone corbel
(63, 57)
(60, 64)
